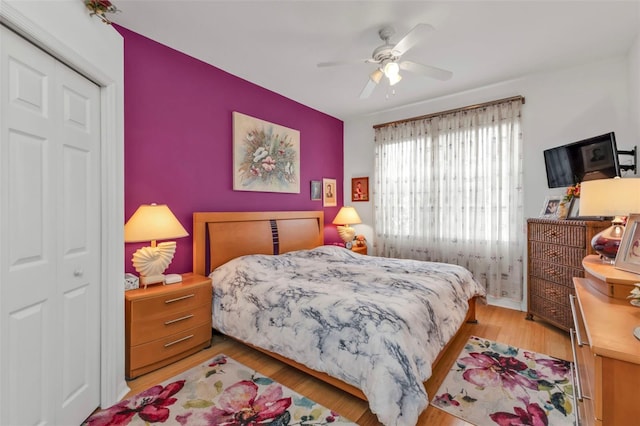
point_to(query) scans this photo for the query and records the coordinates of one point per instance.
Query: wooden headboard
(221, 236)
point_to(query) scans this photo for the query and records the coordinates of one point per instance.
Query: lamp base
(606, 243)
(347, 233)
(151, 279)
(151, 262)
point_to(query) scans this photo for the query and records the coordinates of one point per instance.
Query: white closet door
(50, 223)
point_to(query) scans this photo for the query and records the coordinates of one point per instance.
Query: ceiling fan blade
(339, 63)
(411, 38)
(372, 82)
(428, 70)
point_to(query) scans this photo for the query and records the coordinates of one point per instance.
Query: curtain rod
(466, 108)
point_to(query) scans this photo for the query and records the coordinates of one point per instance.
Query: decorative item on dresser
(555, 252)
(606, 353)
(166, 323)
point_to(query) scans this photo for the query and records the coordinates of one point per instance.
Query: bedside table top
(359, 249)
(188, 280)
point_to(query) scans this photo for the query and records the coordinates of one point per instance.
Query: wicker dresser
(555, 252)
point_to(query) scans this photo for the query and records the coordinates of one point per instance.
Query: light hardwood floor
(495, 323)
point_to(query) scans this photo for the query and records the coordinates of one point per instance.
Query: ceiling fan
(388, 55)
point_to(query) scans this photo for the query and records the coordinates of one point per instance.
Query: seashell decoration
(347, 233)
(150, 261)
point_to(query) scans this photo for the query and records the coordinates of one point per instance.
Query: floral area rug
(219, 392)
(496, 384)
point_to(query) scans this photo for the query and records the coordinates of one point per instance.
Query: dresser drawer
(559, 274)
(558, 233)
(167, 347)
(557, 253)
(168, 305)
(555, 311)
(584, 364)
(156, 327)
(550, 290)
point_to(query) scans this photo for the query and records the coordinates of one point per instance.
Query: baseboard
(505, 303)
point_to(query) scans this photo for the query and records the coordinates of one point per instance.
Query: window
(448, 188)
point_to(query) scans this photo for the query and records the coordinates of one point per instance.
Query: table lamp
(615, 198)
(345, 217)
(153, 222)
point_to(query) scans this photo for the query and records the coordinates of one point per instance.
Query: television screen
(587, 159)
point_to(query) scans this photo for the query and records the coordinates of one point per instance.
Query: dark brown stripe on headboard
(274, 235)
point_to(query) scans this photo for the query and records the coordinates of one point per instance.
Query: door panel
(78, 102)
(28, 292)
(27, 329)
(49, 205)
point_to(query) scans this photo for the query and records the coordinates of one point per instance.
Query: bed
(310, 307)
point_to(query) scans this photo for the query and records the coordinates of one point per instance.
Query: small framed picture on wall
(360, 189)
(316, 190)
(329, 190)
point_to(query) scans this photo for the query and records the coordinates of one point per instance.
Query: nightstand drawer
(169, 304)
(156, 327)
(164, 349)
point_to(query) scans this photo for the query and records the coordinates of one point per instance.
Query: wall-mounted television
(587, 159)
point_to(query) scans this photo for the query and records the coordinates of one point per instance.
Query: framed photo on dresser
(628, 257)
(574, 209)
(550, 207)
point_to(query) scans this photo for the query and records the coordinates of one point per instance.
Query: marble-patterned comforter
(375, 323)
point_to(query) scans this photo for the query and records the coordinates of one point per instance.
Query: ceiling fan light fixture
(376, 76)
(393, 79)
(391, 70)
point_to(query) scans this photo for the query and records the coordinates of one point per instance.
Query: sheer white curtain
(449, 189)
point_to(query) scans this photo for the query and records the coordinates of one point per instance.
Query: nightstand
(164, 323)
(359, 249)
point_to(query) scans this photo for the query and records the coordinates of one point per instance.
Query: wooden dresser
(164, 323)
(606, 354)
(555, 252)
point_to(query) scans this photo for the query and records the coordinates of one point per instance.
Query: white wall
(634, 86)
(561, 106)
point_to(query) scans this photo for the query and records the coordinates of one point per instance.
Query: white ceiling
(277, 44)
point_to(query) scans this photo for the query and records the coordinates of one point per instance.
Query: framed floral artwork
(329, 193)
(628, 257)
(360, 189)
(266, 156)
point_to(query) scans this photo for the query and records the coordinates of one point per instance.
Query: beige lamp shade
(610, 197)
(346, 216)
(153, 222)
(615, 197)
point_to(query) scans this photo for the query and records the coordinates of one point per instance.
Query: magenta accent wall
(178, 141)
